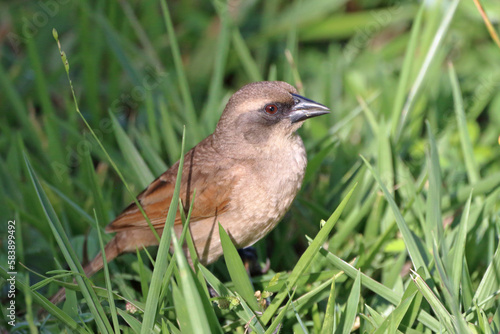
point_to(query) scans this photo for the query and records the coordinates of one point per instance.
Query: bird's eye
(271, 109)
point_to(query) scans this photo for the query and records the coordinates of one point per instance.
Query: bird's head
(266, 110)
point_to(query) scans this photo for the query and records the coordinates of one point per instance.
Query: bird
(245, 176)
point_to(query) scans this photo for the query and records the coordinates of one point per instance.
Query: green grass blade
(168, 134)
(442, 313)
(92, 46)
(45, 303)
(392, 322)
(375, 317)
(171, 266)
(40, 79)
(274, 325)
(114, 41)
(370, 116)
(245, 313)
(490, 281)
(458, 250)
(451, 300)
(150, 153)
(197, 315)
(134, 324)
(301, 321)
(414, 308)
(20, 251)
(142, 36)
(115, 167)
(98, 199)
(200, 283)
(351, 309)
(314, 163)
(434, 223)
(378, 288)
(429, 57)
(69, 254)
(162, 256)
(107, 278)
(385, 160)
(142, 172)
(168, 327)
(408, 62)
(313, 296)
(237, 271)
(484, 186)
(298, 15)
(329, 320)
(223, 41)
(468, 152)
(181, 310)
(412, 246)
(190, 112)
(467, 294)
(189, 240)
(495, 321)
(249, 65)
(306, 259)
(153, 129)
(21, 112)
(79, 210)
(144, 275)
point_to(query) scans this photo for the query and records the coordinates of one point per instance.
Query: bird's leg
(249, 257)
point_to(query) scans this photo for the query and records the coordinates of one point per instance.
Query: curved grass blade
(415, 249)
(277, 322)
(111, 300)
(237, 271)
(69, 254)
(467, 150)
(414, 307)
(306, 259)
(457, 319)
(163, 249)
(181, 310)
(190, 113)
(46, 304)
(245, 313)
(329, 320)
(380, 289)
(245, 56)
(134, 324)
(391, 323)
(433, 213)
(404, 77)
(223, 42)
(490, 281)
(457, 252)
(198, 317)
(351, 309)
(441, 312)
(129, 151)
(429, 57)
(111, 161)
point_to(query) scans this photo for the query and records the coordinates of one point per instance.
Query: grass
(407, 166)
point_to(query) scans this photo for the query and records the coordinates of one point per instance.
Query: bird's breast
(265, 193)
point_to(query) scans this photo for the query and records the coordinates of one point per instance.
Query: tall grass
(407, 166)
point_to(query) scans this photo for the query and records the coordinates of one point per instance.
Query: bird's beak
(304, 108)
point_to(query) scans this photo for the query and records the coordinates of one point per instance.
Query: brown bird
(246, 175)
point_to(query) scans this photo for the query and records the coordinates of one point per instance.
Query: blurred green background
(141, 74)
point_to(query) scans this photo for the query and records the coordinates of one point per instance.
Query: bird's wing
(202, 173)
